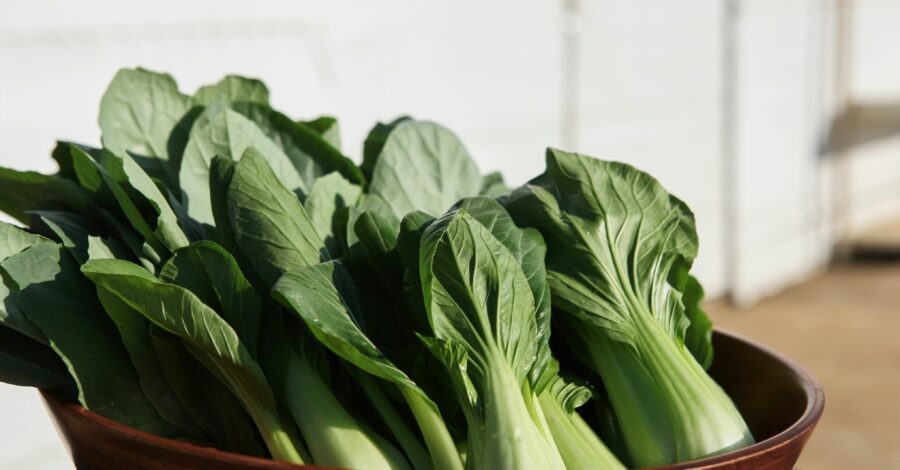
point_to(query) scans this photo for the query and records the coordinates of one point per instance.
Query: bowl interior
(770, 391)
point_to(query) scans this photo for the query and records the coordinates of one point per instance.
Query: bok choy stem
(334, 437)
(408, 440)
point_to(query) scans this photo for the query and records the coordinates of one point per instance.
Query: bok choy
(221, 273)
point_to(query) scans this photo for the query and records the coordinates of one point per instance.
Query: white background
(727, 107)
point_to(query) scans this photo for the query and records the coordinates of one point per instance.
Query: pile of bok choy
(221, 273)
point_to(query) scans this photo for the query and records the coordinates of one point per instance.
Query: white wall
(780, 116)
(650, 87)
(873, 179)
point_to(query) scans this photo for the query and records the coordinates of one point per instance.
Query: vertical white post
(570, 32)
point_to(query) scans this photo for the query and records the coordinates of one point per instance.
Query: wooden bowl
(779, 400)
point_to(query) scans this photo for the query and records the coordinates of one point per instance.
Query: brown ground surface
(844, 327)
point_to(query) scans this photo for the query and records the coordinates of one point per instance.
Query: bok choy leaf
(614, 236)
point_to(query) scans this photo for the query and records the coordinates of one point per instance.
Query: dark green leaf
(81, 237)
(270, 225)
(134, 330)
(62, 153)
(28, 363)
(207, 336)
(25, 191)
(330, 194)
(311, 153)
(412, 227)
(14, 240)
(327, 127)
(53, 295)
(164, 221)
(214, 409)
(325, 297)
(213, 275)
(221, 171)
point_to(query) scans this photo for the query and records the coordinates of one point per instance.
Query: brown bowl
(779, 400)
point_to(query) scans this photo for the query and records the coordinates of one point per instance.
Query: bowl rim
(805, 423)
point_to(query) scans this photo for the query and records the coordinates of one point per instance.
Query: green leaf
(214, 409)
(376, 229)
(138, 112)
(81, 237)
(328, 195)
(325, 297)
(62, 154)
(14, 240)
(221, 171)
(47, 287)
(412, 227)
(373, 255)
(477, 295)
(134, 330)
(579, 446)
(376, 207)
(270, 225)
(233, 88)
(27, 363)
(527, 245)
(163, 224)
(613, 234)
(177, 142)
(698, 337)
(229, 134)
(375, 142)
(83, 167)
(423, 166)
(617, 242)
(25, 191)
(212, 274)
(191, 228)
(327, 127)
(570, 392)
(479, 302)
(208, 337)
(310, 152)
(113, 199)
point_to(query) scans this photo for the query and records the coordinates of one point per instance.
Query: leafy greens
(222, 273)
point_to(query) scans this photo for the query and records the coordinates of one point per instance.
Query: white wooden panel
(650, 95)
(778, 115)
(874, 185)
(873, 177)
(876, 50)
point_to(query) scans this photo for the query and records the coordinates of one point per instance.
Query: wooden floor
(844, 327)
